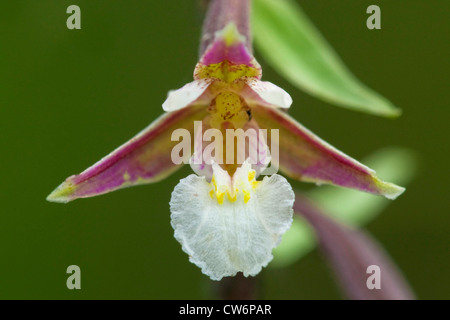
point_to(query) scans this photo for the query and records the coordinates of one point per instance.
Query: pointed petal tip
(389, 190)
(63, 193)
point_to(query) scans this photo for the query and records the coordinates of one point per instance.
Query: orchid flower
(226, 220)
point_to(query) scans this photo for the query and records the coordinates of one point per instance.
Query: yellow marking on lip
(220, 196)
(63, 192)
(255, 184)
(246, 195)
(230, 198)
(219, 191)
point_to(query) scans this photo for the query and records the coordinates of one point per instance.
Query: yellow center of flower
(228, 108)
(230, 193)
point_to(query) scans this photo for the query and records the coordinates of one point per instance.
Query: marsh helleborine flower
(225, 219)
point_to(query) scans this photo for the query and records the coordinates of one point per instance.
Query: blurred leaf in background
(290, 42)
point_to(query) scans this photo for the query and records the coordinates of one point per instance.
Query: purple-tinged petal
(265, 93)
(354, 256)
(146, 158)
(228, 45)
(193, 93)
(306, 157)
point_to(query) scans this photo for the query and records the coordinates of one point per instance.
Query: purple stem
(222, 12)
(350, 252)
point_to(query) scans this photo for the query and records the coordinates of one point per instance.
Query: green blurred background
(69, 97)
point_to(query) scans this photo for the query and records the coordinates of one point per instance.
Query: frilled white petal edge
(193, 92)
(266, 93)
(235, 236)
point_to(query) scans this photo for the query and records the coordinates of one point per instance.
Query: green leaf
(288, 41)
(351, 207)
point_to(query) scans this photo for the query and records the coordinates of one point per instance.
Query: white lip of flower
(231, 224)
